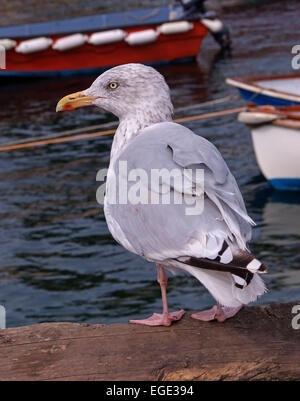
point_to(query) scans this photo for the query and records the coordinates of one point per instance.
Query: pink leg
(166, 318)
(217, 312)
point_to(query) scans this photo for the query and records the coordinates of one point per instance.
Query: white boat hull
(277, 150)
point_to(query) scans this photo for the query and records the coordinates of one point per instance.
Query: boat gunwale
(287, 123)
(284, 113)
(246, 83)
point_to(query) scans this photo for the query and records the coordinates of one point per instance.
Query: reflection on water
(280, 236)
(58, 260)
(281, 217)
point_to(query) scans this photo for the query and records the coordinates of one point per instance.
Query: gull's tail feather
(250, 293)
(232, 278)
(222, 287)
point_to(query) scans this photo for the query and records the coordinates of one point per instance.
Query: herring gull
(210, 245)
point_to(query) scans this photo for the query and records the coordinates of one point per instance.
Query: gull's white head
(128, 91)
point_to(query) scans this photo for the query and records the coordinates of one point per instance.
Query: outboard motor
(195, 9)
(218, 29)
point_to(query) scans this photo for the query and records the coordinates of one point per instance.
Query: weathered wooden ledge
(258, 344)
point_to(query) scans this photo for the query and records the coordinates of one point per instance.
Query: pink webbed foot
(165, 319)
(217, 312)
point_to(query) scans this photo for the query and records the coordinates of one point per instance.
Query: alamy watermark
(2, 317)
(157, 186)
(2, 57)
(296, 59)
(296, 318)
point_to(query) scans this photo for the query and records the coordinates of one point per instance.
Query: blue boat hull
(262, 100)
(286, 184)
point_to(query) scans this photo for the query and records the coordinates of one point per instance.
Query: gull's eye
(113, 85)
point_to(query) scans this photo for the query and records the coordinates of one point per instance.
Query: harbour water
(58, 260)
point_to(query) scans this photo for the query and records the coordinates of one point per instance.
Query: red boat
(85, 44)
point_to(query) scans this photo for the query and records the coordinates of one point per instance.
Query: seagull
(210, 242)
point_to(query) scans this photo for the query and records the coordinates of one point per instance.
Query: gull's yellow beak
(74, 101)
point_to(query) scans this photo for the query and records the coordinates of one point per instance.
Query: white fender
(106, 37)
(34, 45)
(142, 37)
(170, 28)
(255, 118)
(8, 44)
(70, 42)
(213, 25)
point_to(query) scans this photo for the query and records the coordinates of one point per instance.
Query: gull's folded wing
(163, 231)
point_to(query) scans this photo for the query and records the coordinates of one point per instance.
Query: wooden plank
(258, 344)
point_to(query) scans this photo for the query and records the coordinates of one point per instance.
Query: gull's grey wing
(164, 231)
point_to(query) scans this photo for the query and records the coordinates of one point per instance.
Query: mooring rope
(57, 138)
(114, 124)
